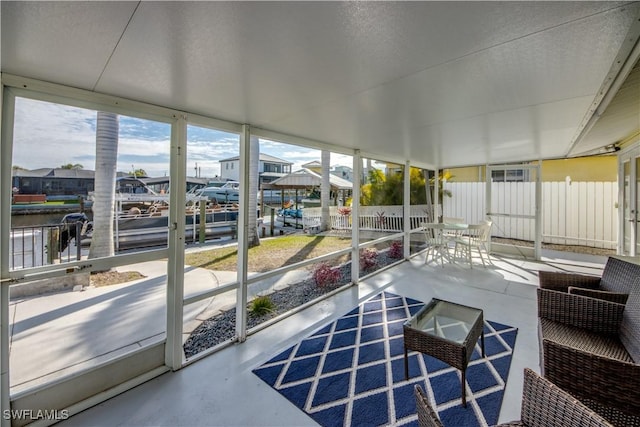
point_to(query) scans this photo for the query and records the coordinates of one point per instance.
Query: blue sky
(49, 135)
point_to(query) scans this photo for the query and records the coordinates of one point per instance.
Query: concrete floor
(221, 390)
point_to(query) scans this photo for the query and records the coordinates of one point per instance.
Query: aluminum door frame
(630, 155)
(538, 201)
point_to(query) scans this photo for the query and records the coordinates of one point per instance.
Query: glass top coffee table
(446, 331)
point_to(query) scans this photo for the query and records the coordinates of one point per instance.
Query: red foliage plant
(396, 250)
(368, 258)
(345, 210)
(325, 275)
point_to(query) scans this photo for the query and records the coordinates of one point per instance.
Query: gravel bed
(222, 327)
(579, 249)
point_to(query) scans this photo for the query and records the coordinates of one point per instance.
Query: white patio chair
(476, 237)
(437, 246)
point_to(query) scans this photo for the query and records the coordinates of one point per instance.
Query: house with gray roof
(269, 168)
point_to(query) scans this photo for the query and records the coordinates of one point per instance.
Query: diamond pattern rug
(351, 372)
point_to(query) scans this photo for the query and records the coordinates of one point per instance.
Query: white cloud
(48, 135)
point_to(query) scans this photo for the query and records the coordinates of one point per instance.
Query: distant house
(393, 168)
(53, 182)
(344, 172)
(388, 168)
(314, 165)
(269, 169)
(56, 182)
(602, 168)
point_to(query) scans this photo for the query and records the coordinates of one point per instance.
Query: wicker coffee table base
(454, 354)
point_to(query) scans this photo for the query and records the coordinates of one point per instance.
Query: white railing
(372, 218)
(573, 213)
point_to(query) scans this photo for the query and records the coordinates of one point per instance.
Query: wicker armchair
(543, 405)
(591, 348)
(614, 285)
(427, 417)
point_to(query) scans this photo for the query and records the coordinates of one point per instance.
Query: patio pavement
(220, 389)
(83, 329)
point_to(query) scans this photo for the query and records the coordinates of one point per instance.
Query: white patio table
(438, 239)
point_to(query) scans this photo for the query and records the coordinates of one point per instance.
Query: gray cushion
(630, 325)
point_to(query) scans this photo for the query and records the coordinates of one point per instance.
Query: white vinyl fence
(575, 213)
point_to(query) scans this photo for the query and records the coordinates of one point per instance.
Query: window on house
(510, 175)
(272, 167)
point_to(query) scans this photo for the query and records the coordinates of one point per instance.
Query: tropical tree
(252, 217)
(442, 176)
(104, 195)
(72, 166)
(382, 190)
(371, 193)
(325, 190)
(138, 173)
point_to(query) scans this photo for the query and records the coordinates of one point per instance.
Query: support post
(325, 191)
(175, 266)
(406, 206)
(437, 217)
(538, 212)
(487, 200)
(53, 244)
(271, 224)
(202, 233)
(7, 110)
(355, 218)
(243, 238)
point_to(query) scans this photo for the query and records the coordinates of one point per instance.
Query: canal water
(28, 220)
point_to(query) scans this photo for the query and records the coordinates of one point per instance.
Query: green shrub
(261, 305)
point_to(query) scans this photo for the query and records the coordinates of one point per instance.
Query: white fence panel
(574, 213)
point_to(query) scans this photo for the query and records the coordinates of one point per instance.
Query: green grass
(271, 254)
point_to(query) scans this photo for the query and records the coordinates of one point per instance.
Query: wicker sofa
(614, 285)
(590, 347)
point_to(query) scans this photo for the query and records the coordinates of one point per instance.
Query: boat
(229, 192)
(146, 222)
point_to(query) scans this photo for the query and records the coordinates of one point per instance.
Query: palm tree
(72, 166)
(252, 218)
(325, 191)
(104, 185)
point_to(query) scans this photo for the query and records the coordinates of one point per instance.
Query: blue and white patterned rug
(351, 372)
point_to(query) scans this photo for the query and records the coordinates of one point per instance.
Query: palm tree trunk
(252, 217)
(325, 191)
(104, 185)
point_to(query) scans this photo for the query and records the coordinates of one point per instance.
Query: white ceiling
(444, 83)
